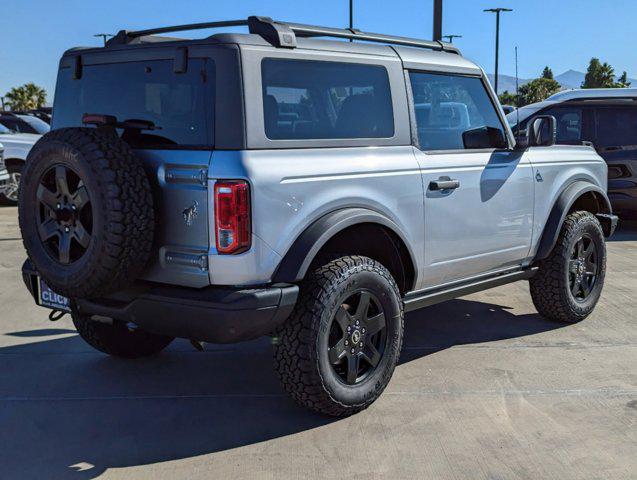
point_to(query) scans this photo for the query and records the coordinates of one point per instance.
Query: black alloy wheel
(65, 218)
(583, 268)
(357, 337)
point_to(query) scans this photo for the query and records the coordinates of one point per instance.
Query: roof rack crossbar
(283, 34)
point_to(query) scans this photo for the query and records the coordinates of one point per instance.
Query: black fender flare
(300, 255)
(560, 210)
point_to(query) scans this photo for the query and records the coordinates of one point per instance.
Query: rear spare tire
(86, 212)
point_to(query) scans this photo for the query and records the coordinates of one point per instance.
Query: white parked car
(4, 175)
(16, 149)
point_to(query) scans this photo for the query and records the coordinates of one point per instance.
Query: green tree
(27, 97)
(538, 90)
(622, 82)
(599, 75)
(507, 98)
(547, 73)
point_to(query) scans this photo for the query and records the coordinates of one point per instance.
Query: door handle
(444, 184)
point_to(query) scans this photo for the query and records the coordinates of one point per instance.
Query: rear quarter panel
(290, 189)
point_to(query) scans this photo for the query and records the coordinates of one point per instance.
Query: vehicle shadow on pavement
(70, 413)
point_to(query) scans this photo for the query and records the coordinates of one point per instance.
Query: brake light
(232, 216)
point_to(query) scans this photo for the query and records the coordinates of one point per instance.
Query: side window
(571, 124)
(616, 126)
(447, 106)
(325, 100)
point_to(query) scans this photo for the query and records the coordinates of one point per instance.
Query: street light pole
(437, 33)
(497, 38)
(451, 37)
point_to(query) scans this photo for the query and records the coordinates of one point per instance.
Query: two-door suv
(241, 185)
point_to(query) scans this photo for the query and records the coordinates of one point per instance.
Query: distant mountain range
(569, 79)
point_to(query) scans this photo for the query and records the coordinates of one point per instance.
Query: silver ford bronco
(315, 190)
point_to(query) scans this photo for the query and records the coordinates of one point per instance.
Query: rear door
(175, 149)
(484, 222)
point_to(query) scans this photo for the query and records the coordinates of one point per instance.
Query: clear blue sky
(563, 34)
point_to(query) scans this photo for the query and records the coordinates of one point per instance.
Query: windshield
(40, 126)
(523, 113)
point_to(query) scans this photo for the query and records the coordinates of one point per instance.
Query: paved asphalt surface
(485, 389)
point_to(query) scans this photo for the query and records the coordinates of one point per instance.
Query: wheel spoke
(588, 251)
(363, 306)
(572, 266)
(48, 229)
(81, 235)
(343, 318)
(61, 181)
(580, 248)
(375, 324)
(576, 287)
(47, 197)
(337, 352)
(64, 253)
(352, 369)
(80, 198)
(371, 354)
(586, 287)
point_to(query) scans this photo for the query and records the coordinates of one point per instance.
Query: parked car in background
(16, 149)
(43, 113)
(24, 123)
(508, 109)
(606, 117)
(4, 174)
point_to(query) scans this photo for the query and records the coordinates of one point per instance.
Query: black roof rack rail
(284, 34)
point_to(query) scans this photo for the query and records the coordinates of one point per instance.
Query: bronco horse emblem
(190, 213)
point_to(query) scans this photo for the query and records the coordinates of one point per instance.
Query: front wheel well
(590, 201)
(376, 242)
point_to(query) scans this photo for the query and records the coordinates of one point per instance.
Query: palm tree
(26, 97)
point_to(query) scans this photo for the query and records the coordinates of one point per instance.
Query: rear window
(325, 100)
(179, 105)
(616, 127)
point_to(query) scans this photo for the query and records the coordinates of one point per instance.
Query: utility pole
(103, 36)
(437, 33)
(451, 37)
(497, 12)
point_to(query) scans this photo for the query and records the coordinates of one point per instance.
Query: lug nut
(360, 344)
(346, 343)
(358, 322)
(58, 206)
(349, 329)
(363, 330)
(73, 207)
(67, 229)
(353, 350)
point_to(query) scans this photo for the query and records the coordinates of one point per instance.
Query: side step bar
(420, 299)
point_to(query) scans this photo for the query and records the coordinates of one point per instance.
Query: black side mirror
(484, 137)
(542, 131)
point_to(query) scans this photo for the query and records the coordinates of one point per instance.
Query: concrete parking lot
(485, 389)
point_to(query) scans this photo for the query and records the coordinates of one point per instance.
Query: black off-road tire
(120, 204)
(117, 339)
(301, 358)
(550, 289)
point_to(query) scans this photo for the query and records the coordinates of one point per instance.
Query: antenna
(517, 96)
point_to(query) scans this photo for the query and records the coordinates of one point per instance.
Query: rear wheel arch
(579, 195)
(351, 231)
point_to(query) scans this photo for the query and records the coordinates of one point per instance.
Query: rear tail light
(232, 216)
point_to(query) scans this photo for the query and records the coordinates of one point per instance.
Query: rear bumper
(211, 314)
